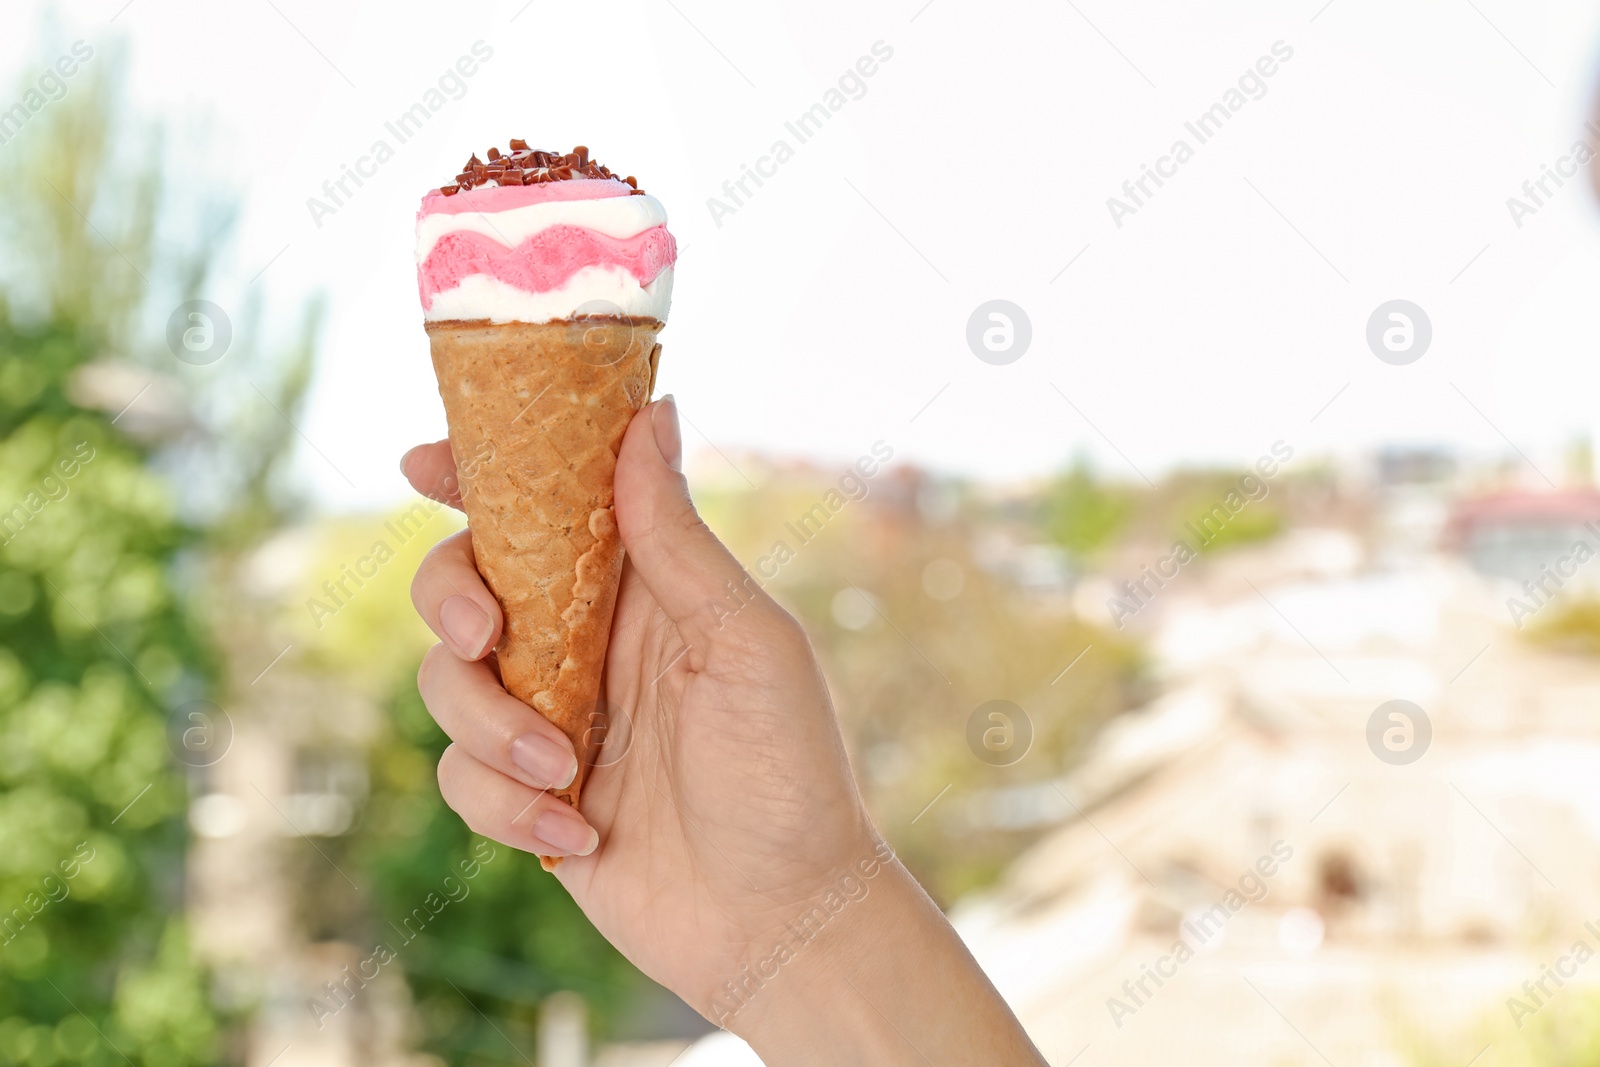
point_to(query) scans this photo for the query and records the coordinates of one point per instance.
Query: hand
(732, 814)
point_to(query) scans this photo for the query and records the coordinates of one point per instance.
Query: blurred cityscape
(1341, 810)
(1288, 764)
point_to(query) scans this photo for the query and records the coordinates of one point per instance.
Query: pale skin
(732, 814)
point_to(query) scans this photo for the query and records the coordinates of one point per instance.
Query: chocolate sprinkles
(521, 165)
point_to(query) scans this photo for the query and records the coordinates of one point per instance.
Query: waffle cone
(537, 412)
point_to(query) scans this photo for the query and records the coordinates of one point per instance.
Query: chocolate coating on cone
(537, 412)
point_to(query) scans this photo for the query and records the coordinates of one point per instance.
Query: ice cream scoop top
(536, 236)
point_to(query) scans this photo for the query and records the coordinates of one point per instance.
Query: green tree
(1230, 508)
(101, 640)
(509, 935)
(1085, 514)
(96, 646)
(480, 970)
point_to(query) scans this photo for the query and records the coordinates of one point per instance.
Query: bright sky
(831, 308)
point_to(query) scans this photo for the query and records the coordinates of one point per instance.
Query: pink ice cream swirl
(544, 252)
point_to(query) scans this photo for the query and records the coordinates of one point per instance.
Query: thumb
(691, 574)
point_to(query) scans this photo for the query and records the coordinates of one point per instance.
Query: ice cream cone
(537, 412)
(544, 280)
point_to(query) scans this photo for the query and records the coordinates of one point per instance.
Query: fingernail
(669, 441)
(467, 627)
(405, 459)
(562, 828)
(546, 761)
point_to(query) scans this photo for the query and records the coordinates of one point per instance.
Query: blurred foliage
(1571, 624)
(969, 599)
(1084, 513)
(178, 529)
(1188, 498)
(101, 639)
(521, 939)
(96, 648)
(478, 972)
(1564, 1032)
(950, 623)
(367, 634)
(1088, 515)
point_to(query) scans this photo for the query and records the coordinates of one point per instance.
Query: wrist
(882, 981)
(809, 991)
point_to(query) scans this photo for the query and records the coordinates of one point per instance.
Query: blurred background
(1218, 638)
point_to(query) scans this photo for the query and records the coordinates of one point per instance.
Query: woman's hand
(721, 826)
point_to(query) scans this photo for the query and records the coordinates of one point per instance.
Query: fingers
(431, 470)
(694, 578)
(450, 596)
(496, 728)
(508, 811)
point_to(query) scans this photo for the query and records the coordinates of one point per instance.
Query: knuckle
(459, 546)
(667, 524)
(450, 551)
(778, 630)
(419, 579)
(642, 530)
(451, 764)
(688, 522)
(429, 666)
(768, 620)
(428, 673)
(445, 775)
(786, 629)
(423, 581)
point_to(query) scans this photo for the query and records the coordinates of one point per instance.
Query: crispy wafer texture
(543, 407)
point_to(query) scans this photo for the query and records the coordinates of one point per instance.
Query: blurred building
(1411, 489)
(295, 770)
(1516, 535)
(1335, 899)
(1332, 901)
